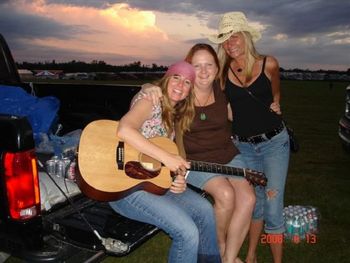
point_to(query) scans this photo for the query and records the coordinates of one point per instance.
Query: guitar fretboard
(216, 168)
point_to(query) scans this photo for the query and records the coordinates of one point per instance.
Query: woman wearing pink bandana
(182, 213)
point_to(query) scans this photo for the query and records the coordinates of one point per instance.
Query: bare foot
(238, 260)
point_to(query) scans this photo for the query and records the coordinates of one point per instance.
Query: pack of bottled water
(301, 223)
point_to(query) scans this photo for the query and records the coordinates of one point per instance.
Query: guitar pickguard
(135, 170)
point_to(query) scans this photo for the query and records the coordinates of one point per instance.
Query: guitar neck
(216, 168)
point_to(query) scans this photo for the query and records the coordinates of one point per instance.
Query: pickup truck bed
(64, 231)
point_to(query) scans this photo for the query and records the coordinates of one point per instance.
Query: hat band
(223, 34)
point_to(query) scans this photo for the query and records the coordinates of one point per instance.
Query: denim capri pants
(272, 158)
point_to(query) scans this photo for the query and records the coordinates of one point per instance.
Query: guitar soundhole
(149, 163)
(135, 170)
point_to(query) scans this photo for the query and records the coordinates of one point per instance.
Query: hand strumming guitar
(178, 166)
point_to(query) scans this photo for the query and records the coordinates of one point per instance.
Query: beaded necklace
(202, 115)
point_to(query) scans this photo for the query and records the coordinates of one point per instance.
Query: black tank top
(251, 117)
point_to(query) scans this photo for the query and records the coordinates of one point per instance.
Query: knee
(224, 197)
(250, 199)
(188, 235)
(246, 202)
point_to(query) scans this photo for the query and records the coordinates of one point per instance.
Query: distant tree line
(94, 66)
(101, 66)
(315, 71)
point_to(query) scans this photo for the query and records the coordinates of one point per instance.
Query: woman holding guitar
(180, 212)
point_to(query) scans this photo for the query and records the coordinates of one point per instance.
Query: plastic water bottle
(296, 230)
(312, 220)
(307, 225)
(315, 224)
(302, 232)
(289, 225)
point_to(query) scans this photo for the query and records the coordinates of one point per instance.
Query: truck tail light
(22, 185)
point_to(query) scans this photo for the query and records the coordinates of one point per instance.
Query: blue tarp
(41, 112)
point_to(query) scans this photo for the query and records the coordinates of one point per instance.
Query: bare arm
(128, 131)
(229, 111)
(272, 68)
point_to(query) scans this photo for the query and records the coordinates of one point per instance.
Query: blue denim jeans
(272, 158)
(188, 218)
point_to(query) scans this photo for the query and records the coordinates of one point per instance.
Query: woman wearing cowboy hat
(252, 86)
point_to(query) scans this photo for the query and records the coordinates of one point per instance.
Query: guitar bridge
(120, 155)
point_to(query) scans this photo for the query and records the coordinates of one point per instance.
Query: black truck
(66, 226)
(344, 123)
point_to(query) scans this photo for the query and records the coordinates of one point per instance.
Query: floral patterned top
(154, 126)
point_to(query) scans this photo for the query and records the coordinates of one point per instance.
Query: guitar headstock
(255, 177)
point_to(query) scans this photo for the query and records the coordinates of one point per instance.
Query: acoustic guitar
(109, 169)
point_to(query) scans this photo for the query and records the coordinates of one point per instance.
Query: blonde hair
(251, 54)
(183, 112)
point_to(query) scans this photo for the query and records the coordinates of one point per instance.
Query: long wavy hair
(251, 54)
(182, 113)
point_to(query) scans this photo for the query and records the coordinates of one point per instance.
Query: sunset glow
(122, 14)
(123, 32)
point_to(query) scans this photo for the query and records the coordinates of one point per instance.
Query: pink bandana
(183, 69)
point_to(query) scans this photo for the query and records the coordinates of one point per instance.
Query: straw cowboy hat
(231, 23)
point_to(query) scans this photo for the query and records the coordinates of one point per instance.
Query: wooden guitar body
(98, 174)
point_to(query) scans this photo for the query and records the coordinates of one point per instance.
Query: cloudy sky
(307, 34)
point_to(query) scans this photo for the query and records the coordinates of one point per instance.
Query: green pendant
(202, 116)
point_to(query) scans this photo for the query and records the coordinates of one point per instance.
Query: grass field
(319, 175)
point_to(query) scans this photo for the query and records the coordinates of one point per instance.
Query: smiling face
(205, 67)
(235, 45)
(178, 88)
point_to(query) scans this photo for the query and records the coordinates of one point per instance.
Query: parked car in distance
(344, 123)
